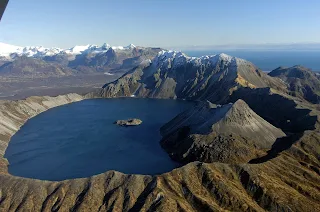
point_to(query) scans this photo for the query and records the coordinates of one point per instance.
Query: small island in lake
(128, 122)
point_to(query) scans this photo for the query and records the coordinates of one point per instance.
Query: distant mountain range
(10, 51)
(83, 59)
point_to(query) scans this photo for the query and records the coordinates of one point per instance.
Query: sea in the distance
(81, 139)
(269, 60)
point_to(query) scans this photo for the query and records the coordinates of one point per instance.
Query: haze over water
(80, 139)
(268, 60)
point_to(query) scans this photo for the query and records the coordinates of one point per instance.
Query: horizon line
(204, 46)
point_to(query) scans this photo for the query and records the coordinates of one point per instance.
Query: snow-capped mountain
(173, 74)
(177, 58)
(11, 51)
(84, 59)
(7, 50)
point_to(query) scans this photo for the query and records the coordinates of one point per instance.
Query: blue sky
(165, 23)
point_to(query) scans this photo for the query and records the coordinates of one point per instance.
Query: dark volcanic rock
(230, 133)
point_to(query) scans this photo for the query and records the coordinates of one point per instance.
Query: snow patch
(109, 74)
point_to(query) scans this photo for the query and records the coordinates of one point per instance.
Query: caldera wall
(13, 114)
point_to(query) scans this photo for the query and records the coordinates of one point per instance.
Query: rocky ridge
(128, 122)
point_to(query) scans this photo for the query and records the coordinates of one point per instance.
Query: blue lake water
(269, 60)
(80, 139)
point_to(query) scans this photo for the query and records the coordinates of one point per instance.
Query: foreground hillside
(259, 151)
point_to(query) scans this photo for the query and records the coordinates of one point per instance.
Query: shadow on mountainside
(281, 144)
(281, 112)
(278, 110)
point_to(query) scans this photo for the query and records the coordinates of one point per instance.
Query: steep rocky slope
(174, 75)
(301, 82)
(231, 133)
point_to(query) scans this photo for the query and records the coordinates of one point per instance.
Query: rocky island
(128, 122)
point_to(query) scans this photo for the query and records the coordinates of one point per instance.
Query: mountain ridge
(84, 59)
(40, 51)
(173, 74)
(301, 82)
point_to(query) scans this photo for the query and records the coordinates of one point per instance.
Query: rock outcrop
(231, 133)
(128, 122)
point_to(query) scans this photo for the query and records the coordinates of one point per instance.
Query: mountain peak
(130, 46)
(227, 133)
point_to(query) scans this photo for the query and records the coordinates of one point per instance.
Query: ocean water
(269, 60)
(80, 139)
